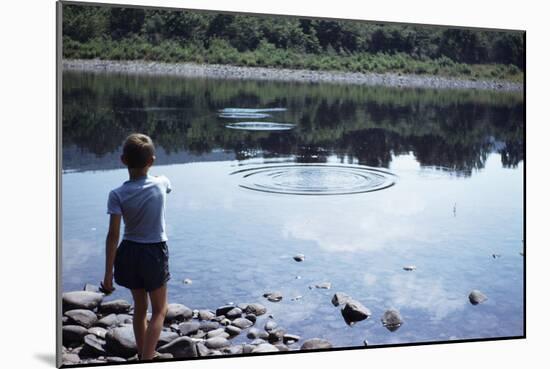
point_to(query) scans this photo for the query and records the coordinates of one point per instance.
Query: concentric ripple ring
(315, 179)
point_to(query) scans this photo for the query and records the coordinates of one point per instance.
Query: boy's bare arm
(110, 250)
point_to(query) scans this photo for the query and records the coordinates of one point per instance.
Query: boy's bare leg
(159, 306)
(140, 318)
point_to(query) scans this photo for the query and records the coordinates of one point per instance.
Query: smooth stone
(166, 337)
(119, 306)
(392, 320)
(366, 342)
(353, 311)
(477, 297)
(91, 288)
(409, 268)
(115, 359)
(217, 332)
(276, 335)
(207, 326)
(198, 335)
(182, 347)
(299, 257)
(324, 285)
(242, 306)
(81, 300)
(125, 318)
(234, 350)
(178, 312)
(340, 298)
(257, 341)
(222, 310)
(188, 328)
(93, 346)
(98, 332)
(251, 317)
(242, 323)
(108, 321)
(270, 325)
(70, 358)
(73, 335)
(282, 347)
(496, 256)
(253, 333)
(121, 341)
(234, 313)
(247, 348)
(215, 353)
(83, 317)
(205, 315)
(216, 342)
(316, 343)
(264, 347)
(290, 338)
(273, 296)
(256, 309)
(232, 330)
(202, 350)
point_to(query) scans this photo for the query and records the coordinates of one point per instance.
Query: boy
(141, 260)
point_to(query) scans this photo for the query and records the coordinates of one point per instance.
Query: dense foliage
(208, 37)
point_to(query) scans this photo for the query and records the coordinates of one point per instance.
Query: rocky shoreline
(288, 75)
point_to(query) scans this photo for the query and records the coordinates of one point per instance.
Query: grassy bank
(267, 55)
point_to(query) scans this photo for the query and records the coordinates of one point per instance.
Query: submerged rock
(83, 317)
(178, 312)
(115, 306)
(270, 325)
(353, 311)
(182, 347)
(290, 338)
(81, 300)
(120, 341)
(392, 320)
(409, 268)
(340, 298)
(477, 297)
(273, 296)
(299, 257)
(324, 285)
(316, 343)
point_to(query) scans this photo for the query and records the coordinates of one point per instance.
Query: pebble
(409, 268)
(299, 257)
(205, 315)
(273, 296)
(187, 281)
(392, 320)
(477, 297)
(264, 347)
(353, 311)
(216, 342)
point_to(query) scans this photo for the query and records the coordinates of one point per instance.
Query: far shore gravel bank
(290, 75)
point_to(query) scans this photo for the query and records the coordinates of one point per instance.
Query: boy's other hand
(107, 285)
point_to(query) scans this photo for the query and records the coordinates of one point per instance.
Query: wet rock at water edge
(216, 342)
(81, 300)
(207, 326)
(264, 347)
(299, 257)
(242, 323)
(353, 311)
(118, 306)
(256, 309)
(233, 350)
(98, 332)
(73, 335)
(296, 298)
(290, 338)
(222, 310)
(232, 330)
(202, 350)
(316, 343)
(282, 347)
(251, 317)
(392, 320)
(182, 347)
(340, 298)
(234, 313)
(187, 281)
(276, 335)
(409, 268)
(120, 341)
(270, 325)
(205, 315)
(477, 297)
(496, 256)
(253, 333)
(273, 296)
(366, 342)
(218, 332)
(83, 317)
(178, 312)
(324, 285)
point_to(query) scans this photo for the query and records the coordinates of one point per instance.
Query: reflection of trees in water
(451, 129)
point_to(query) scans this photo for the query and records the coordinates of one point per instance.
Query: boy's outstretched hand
(107, 285)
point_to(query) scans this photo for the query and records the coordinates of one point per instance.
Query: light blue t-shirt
(141, 202)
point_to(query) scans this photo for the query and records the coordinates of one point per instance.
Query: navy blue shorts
(141, 265)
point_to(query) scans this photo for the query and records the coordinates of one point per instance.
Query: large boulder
(188, 328)
(353, 311)
(315, 344)
(120, 341)
(178, 312)
(115, 306)
(108, 321)
(182, 347)
(82, 317)
(81, 300)
(73, 335)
